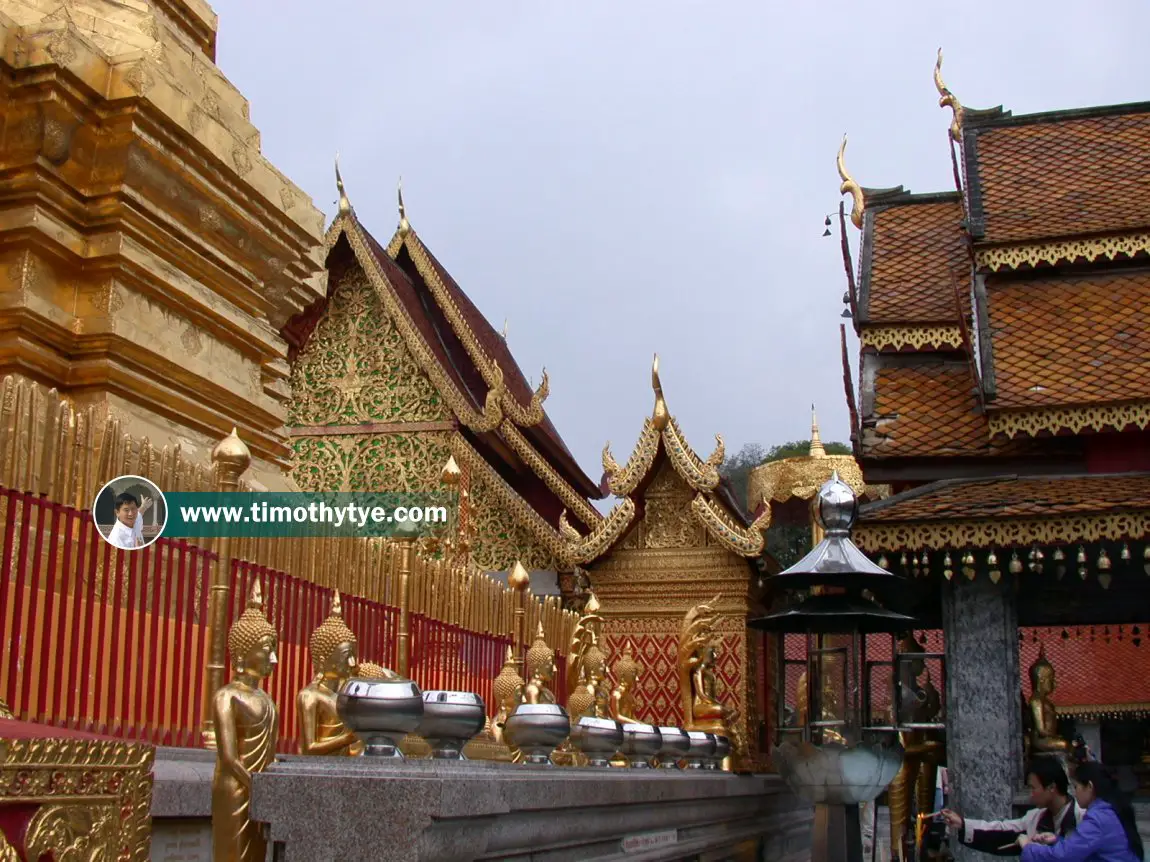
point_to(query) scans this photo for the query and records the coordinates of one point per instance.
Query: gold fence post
(405, 534)
(519, 580)
(231, 458)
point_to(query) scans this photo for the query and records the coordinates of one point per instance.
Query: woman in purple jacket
(1107, 832)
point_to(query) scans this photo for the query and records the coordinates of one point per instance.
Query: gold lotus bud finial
(232, 453)
(518, 578)
(816, 450)
(539, 654)
(251, 627)
(404, 225)
(849, 186)
(660, 416)
(344, 202)
(592, 606)
(450, 474)
(331, 633)
(947, 99)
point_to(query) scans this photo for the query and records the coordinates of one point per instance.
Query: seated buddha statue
(1044, 738)
(333, 657)
(540, 666)
(622, 706)
(247, 728)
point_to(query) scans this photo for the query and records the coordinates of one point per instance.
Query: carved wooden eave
(662, 439)
(1080, 419)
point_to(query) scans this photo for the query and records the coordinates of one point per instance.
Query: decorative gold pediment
(583, 549)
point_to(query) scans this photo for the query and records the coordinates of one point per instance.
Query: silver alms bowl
(641, 742)
(598, 739)
(537, 729)
(702, 748)
(675, 746)
(722, 749)
(380, 712)
(450, 719)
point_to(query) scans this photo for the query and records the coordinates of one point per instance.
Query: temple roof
(913, 252)
(714, 505)
(1070, 340)
(469, 363)
(1057, 174)
(928, 408)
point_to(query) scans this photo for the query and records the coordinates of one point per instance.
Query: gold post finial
(660, 416)
(518, 578)
(232, 453)
(947, 99)
(336, 605)
(816, 450)
(256, 596)
(849, 186)
(344, 203)
(404, 225)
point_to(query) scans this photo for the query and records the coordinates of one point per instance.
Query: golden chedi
(247, 727)
(622, 706)
(333, 656)
(1044, 738)
(540, 670)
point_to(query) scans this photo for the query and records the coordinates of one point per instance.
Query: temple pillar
(983, 717)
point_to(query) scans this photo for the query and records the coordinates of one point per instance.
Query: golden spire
(816, 450)
(947, 99)
(660, 416)
(344, 203)
(404, 225)
(850, 187)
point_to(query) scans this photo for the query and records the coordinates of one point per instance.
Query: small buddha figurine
(247, 727)
(540, 670)
(622, 706)
(333, 656)
(1044, 738)
(507, 689)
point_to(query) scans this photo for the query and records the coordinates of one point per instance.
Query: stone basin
(834, 774)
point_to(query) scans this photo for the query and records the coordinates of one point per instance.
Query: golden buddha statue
(621, 706)
(1044, 738)
(247, 727)
(507, 689)
(698, 644)
(923, 749)
(588, 694)
(585, 635)
(540, 666)
(333, 648)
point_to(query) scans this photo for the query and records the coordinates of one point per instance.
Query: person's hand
(1047, 838)
(953, 818)
(1022, 841)
(145, 504)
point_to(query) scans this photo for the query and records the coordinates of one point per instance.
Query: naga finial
(404, 225)
(816, 450)
(947, 99)
(344, 202)
(660, 416)
(850, 187)
(503, 334)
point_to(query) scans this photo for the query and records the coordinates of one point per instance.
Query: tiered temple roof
(503, 430)
(661, 443)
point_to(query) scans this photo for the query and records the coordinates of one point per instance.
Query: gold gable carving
(1001, 533)
(391, 462)
(1063, 251)
(1075, 419)
(916, 337)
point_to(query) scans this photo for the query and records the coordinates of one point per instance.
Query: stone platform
(322, 809)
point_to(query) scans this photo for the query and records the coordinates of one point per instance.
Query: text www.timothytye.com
(314, 513)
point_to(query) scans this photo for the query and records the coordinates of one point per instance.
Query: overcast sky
(620, 178)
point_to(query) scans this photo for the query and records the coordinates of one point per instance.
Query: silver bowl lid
(699, 736)
(640, 728)
(454, 697)
(379, 689)
(672, 731)
(540, 709)
(598, 723)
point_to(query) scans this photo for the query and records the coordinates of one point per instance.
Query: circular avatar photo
(130, 512)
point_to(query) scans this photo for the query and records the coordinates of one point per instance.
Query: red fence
(448, 657)
(97, 639)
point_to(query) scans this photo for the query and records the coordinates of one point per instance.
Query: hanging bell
(902, 561)
(992, 559)
(883, 562)
(947, 566)
(1015, 564)
(1103, 561)
(1081, 555)
(968, 559)
(1125, 552)
(1058, 555)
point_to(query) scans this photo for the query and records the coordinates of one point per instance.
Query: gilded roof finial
(344, 202)
(450, 474)
(947, 99)
(404, 225)
(817, 450)
(852, 188)
(660, 416)
(503, 334)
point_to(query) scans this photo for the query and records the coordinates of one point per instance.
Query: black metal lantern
(833, 754)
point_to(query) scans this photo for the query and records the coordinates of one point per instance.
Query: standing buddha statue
(914, 784)
(540, 670)
(247, 727)
(333, 656)
(1044, 738)
(622, 705)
